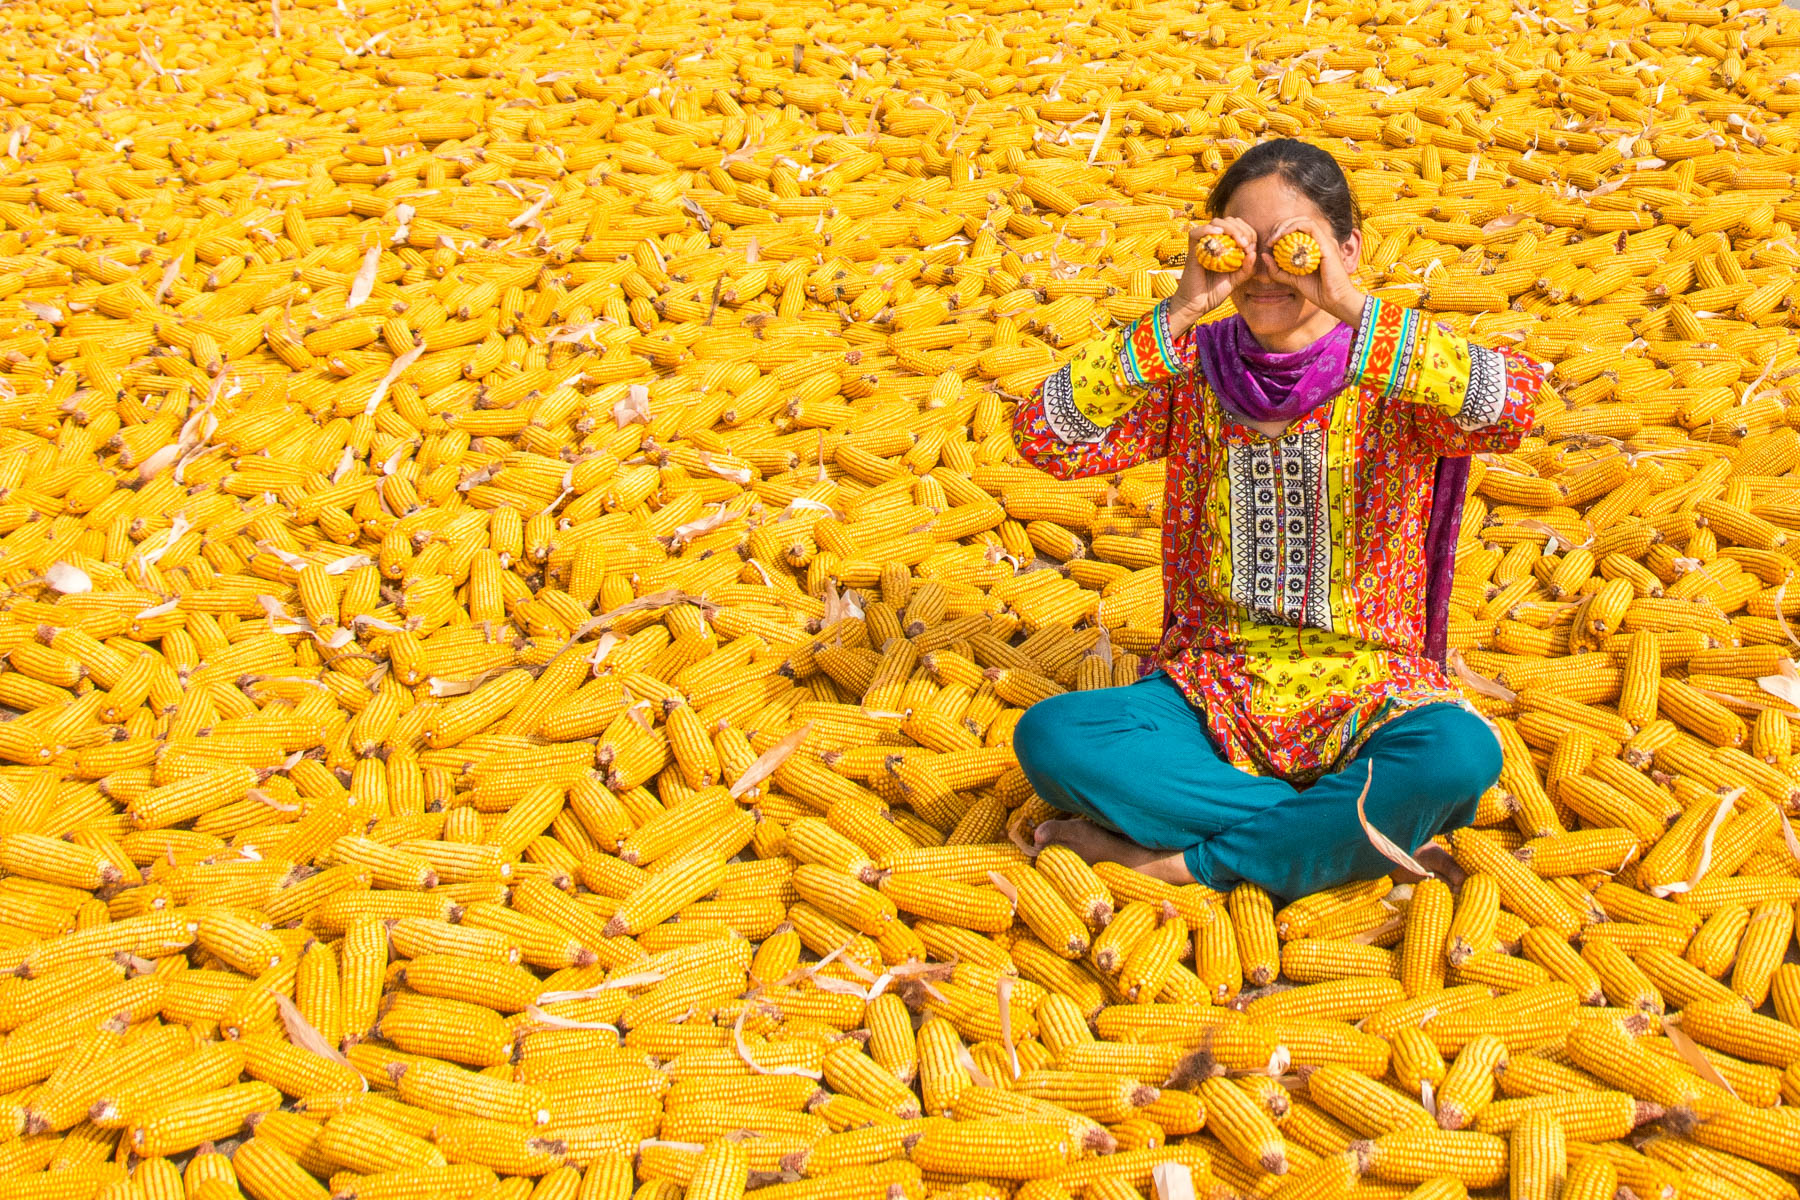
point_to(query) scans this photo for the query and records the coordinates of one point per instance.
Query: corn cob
(1219, 254)
(1297, 253)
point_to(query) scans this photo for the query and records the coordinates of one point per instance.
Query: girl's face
(1274, 311)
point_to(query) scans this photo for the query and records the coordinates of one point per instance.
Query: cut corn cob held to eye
(520, 602)
(1296, 252)
(1219, 254)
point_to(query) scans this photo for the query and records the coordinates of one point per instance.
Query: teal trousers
(1139, 761)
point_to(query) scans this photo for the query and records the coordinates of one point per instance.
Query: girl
(1317, 447)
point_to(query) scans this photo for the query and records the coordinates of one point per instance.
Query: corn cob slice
(1296, 252)
(1219, 254)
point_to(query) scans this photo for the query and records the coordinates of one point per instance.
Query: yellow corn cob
(856, 1074)
(1562, 962)
(1146, 967)
(1538, 1157)
(1760, 1136)
(666, 894)
(1103, 1098)
(1363, 1104)
(1415, 1156)
(1428, 922)
(1253, 919)
(1468, 1086)
(1044, 912)
(936, 899)
(1246, 1130)
(1530, 1075)
(1296, 252)
(449, 1029)
(184, 1124)
(721, 1173)
(1081, 889)
(1472, 925)
(1335, 1000)
(1607, 1052)
(1694, 1159)
(1006, 1148)
(1219, 254)
(1588, 1116)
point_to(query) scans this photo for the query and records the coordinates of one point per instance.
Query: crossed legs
(1137, 765)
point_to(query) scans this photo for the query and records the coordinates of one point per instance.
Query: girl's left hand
(1330, 287)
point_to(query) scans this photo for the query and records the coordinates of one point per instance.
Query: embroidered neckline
(1235, 429)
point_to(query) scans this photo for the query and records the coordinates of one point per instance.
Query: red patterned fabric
(1293, 684)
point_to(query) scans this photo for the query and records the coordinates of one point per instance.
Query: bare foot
(1096, 845)
(1439, 861)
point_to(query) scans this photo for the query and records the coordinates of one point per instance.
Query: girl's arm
(1108, 408)
(1462, 398)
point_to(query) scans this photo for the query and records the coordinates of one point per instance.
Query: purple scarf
(1266, 385)
(1256, 384)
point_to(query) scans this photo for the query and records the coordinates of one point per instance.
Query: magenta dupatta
(1257, 384)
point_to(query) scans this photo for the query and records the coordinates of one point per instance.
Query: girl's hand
(1200, 291)
(1330, 287)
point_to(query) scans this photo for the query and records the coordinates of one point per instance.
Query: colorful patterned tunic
(1293, 567)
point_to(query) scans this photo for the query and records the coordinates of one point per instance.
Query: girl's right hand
(1200, 291)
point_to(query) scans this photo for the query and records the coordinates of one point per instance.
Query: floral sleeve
(1108, 408)
(1466, 399)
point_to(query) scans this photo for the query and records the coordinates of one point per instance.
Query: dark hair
(1306, 168)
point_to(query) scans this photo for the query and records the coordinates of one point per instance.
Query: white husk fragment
(769, 760)
(1004, 886)
(633, 406)
(749, 1060)
(1787, 832)
(1173, 1181)
(555, 1022)
(1784, 685)
(67, 579)
(1692, 1055)
(393, 372)
(1003, 987)
(636, 979)
(967, 1062)
(1727, 803)
(301, 1032)
(364, 282)
(1480, 684)
(1379, 840)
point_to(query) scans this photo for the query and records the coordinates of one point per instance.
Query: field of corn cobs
(517, 590)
